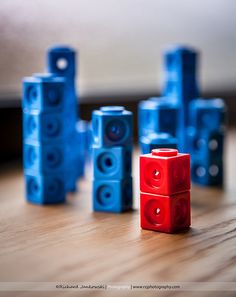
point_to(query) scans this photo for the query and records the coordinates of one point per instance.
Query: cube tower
(112, 159)
(165, 190)
(46, 140)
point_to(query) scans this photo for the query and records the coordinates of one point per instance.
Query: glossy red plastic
(165, 213)
(164, 172)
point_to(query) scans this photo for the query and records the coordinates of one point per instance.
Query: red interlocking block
(165, 213)
(164, 172)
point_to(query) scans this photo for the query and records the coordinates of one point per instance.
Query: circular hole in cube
(53, 97)
(31, 125)
(200, 171)
(53, 158)
(52, 127)
(62, 64)
(153, 174)
(116, 130)
(213, 144)
(214, 170)
(32, 94)
(31, 156)
(154, 212)
(33, 186)
(107, 163)
(105, 195)
(54, 187)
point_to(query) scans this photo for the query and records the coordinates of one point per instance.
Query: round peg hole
(165, 152)
(62, 63)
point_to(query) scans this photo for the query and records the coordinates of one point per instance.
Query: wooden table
(67, 243)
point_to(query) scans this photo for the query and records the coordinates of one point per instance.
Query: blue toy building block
(46, 127)
(112, 126)
(157, 115)
(112, 163)
(41, 189)
(206, 148)
(157, 140)
(44, 93)
(208, 114)
(62, 61)
(207, 171)
(204, 142)
(112, 195)
(46, 158)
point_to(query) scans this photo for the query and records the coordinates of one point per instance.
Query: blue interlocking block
(208, 114)
(207, 149)
(204, 142)
(208, 171)
(44, 93)
(180, 68)
(112, 126)
(112, 195)
(62, 62)
(41, 189)
(157, 115)
(47, 127)
(51, 158)
(157, 140)
(112, 163)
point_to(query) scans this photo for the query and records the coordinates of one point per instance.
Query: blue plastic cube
(112, 195)
(204, 142)
(157, 140)
(157, 115)
(44, 93)
(112, 126)
(62, 61)
(208, 171)
(208, 114)
(112, 163)
(41, 189)
(47, 127)
(46, 158)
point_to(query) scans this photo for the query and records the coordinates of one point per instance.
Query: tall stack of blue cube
(61, 62)
(112, 159)
(46, 143)
(157, 123)
(206, 135)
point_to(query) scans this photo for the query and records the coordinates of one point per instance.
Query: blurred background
(120, 46)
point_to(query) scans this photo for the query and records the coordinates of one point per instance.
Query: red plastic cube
(165, 213)
(164, 172)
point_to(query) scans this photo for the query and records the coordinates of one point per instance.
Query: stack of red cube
(165, 190)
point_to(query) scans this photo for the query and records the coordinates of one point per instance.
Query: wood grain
(71, 243)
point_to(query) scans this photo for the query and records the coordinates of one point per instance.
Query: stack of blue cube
(180, 70)
(61, 62)
(206, 140)
(112, 159)
(46, 142)
(157, 124)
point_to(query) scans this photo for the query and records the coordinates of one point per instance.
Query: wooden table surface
(70, 243)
